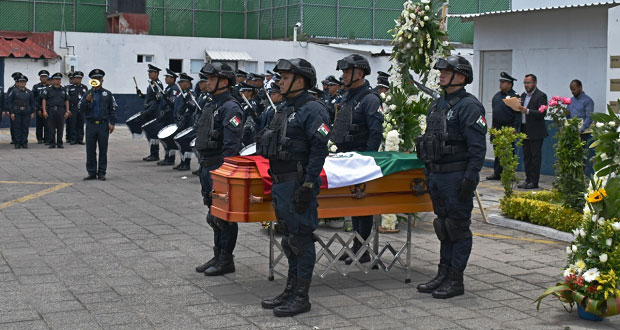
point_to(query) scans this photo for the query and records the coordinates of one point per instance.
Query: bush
(541, 208)
(570, 180)
(504, 141)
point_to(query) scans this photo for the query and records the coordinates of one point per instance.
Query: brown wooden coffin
(239, 195)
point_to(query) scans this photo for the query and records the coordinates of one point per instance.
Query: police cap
(70, 75)
(383, 81)
(184, 77)
(354, 61)
(458, 64)
(57, 75)
(241, 73)
(330, 80)
(44, 73)
(297, 66)
(316, 91)
(256, 76)
(16, 75)
(503, 76)
(21, 77)
(96, 73)
(245, 87)
(274, 88)
(268, 73)
(153, 68)
(78, 74)
(171, 73)
(221, 70)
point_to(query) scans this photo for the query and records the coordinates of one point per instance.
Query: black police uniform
(503, 116)
(41, 122)
(8, 111)
(99, 113)
(453, 158)
(1, 102)
(184, 109)
(21, 104)
(223, 141)
(56, 98)
(152, 106)
(166, 116)
(267, 116)
(76, 121)
(363, 132)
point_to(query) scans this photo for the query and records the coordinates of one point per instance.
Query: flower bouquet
(557, 109)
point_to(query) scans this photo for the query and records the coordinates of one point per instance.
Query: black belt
(448, 167)
(209, 161)
(21, 108)
(53, 107)
(284, 177)
(97, 122)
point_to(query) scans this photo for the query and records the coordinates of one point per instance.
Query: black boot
(151, 158)
(298, 303)
(354, 249)
(452, 286)
(433, 284)
(224, 265)
(166, 162)
(283, 297)
(213, 261)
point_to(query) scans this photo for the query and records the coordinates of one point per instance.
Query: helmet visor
(442, 64)
(283, 65)
(343, 65)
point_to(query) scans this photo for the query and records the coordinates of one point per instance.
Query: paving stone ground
(121, 254)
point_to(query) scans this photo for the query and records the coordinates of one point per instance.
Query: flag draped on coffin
(351, 168)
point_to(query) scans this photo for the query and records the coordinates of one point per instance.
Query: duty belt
(448, 167)
(21, 108)
(97, 122)
(284, 177)
(53, 107)
(209, 161)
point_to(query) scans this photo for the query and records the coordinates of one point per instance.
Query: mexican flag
(351, 168)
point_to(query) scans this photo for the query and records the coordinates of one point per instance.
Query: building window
(175, 65)
(251, 67)
(232, 64)
(269, 66)
(145, 58)
(196, 65)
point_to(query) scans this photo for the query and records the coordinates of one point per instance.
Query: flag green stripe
(392, 162)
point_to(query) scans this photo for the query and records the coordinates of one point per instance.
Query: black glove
(466, 189)
(139, 92)
(302, 198)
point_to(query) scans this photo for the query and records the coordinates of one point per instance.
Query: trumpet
(94, 83)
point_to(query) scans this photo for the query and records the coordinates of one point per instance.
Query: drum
(135, 123)
(166, 136)
(183, 140)
(248, 150)
(151, 129)
(193, 146)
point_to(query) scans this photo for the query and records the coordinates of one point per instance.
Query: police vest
(273, 144)
(350, 128)
(209, 130)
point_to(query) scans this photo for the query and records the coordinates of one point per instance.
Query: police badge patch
(235, 121)
(482, 122)
(323, 129)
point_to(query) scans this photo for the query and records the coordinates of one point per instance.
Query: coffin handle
(418, 186)
(223, 197)
(358, 191)
(255, 199)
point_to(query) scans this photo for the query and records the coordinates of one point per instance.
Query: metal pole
(286, 21)
(193, 18)
(374, 6)
(245, 19)
(165, 16)
(258, 20)
(34, 15)
(338, 19)
(271, 33)
(301, 15)
(271, 239)
(74, 14)
(221, 16)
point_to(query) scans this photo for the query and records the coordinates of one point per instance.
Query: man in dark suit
(533, 125)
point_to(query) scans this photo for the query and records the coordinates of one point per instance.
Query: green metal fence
(464, 31)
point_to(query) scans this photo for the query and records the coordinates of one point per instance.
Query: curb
(500, 220)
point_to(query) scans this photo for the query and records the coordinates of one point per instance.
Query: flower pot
(384, 230)
(335, 223)
(587, 315)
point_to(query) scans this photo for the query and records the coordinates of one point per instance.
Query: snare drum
(135, 123)
(152, 128)
(166, 136)
(248, 150)
(193, 146)
(183, 140)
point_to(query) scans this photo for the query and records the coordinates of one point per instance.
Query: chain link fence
(463, 32)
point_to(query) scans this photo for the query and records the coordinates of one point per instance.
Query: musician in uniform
(331, 97)
(7, 112)
(295, 142)
(21, 107)
(76, 91)
(41, 122)
(184, 109)
(453, 149)
(99, 108)
(267, 115)
(358, 126)
(55, 103)
(218, 135)
(152, 105)
(383, 82)
(250, 113)
(166, 113)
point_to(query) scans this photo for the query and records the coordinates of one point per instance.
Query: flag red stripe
(262, 165)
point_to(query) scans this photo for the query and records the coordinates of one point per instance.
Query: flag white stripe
(349, 168)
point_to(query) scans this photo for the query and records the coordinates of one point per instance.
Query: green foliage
(540, 208)
(606, 134)
(570, 179)
(503, 140)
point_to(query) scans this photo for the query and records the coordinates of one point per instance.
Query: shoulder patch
(235, 121)
(323, 129)
(482, 122)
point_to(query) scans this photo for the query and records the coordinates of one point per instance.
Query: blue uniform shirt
(227, 119)
(582, 107)
(503, 115)
(102, 106)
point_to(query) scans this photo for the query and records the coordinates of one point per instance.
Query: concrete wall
(613, 49)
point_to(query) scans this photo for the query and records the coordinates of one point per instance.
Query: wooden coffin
(238, 195)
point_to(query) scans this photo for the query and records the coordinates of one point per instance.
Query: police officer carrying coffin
(503, 115)
(295, 142)
(218, 135)
(453, 149)
(76, 91)
(184, 109)
(21, 106)
(358, 126)
(41, 122)
(99, 108)
(166, 114)
(55, 102)
(152, 106)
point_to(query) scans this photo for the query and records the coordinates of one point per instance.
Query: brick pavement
(120, 255)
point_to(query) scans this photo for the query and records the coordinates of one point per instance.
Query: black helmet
(221, 70)
(354, 61)
(457, 64)
(298, 66)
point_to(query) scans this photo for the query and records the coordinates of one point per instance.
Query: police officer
(184, 109)
(358, 126)
(267, 115)
(152, 105)
(295, 142)
(21, 106)
(453, 149)
(218, 135)
(258, 80)
(503, 115)
(166, 114)
(76, 91)
(331, 97)
(55, 102)
(250, 113)
(68, 132)
(383, 82)
(7, 112)
(99, 108)
(41, 122)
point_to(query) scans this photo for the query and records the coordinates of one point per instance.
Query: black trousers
(20, 126)
(41, 131)
(76, 122)
(532, 157)
(97, 136)
(56, 123)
